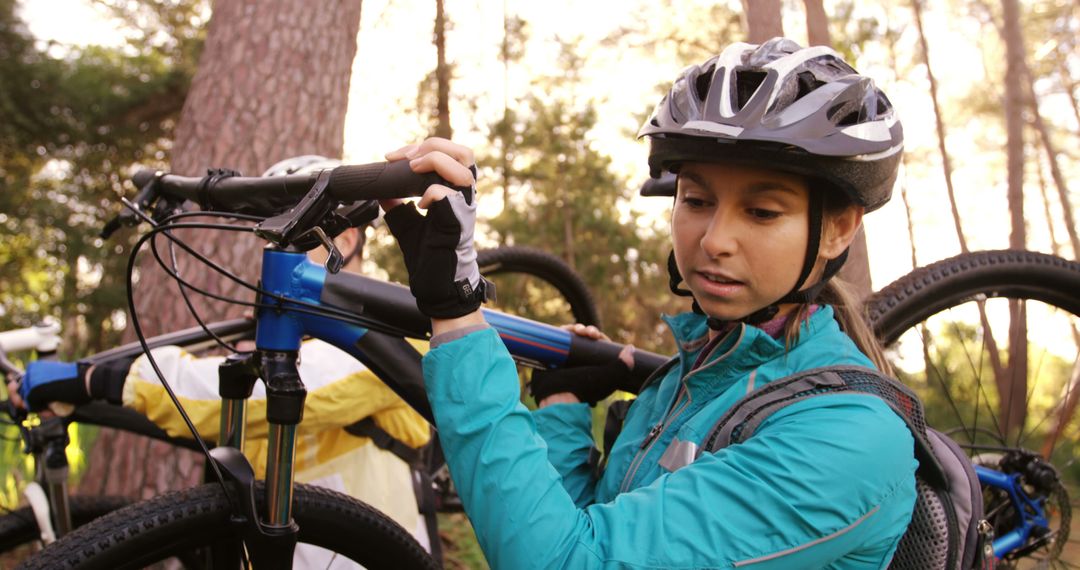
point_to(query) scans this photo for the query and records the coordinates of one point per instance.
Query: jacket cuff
(455, 334)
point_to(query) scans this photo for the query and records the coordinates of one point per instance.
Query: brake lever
(284, 228)
(135, 210)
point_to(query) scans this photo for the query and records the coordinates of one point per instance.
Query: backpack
(947, 529)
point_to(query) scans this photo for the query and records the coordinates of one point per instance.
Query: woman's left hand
(438, 247)
(584, 383)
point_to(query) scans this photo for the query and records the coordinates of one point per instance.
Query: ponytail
(850, 314)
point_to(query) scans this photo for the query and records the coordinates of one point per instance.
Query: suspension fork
(285, 395)
(48, 442)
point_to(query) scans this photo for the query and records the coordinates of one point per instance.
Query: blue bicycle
(236, 521)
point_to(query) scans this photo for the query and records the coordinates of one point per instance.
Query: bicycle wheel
(19, 527)
(947, 329)
(183, 524)
(538, 285)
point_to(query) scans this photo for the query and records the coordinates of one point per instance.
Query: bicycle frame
(1031, 513)
(289, 275)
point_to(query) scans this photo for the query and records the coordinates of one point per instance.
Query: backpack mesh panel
(895, 394)
(925, 545)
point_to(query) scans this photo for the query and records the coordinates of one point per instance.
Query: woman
(779, 151)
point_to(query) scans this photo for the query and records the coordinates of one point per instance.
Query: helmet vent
(807, 82)
(746, 84)
(702, 83)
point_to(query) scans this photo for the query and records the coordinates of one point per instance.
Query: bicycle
(529, 267)
(50, 512)
(295, 297)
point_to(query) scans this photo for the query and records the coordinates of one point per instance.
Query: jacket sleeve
(341, 391)
(772, 502)
(567, 431)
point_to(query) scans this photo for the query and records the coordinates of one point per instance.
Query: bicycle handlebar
(272, 194)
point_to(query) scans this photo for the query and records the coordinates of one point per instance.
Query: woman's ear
(840, 230)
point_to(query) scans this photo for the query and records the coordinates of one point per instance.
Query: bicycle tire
(19, 527)
(940, 291)
(928, 290)
(181, 522)
(546, 267)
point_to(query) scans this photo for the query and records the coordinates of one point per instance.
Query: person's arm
(62, 385)
(341, 391)
(787, 498)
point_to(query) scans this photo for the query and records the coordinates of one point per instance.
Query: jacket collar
(745, 347)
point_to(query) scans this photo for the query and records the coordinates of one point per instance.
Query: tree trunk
(817, 23)
(763, 20)
(442, 74)
(946, 163)
(1052, 159)
(946, 166)
(273, 82)
(1014, 406)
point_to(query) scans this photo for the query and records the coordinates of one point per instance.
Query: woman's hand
(452, 161)
(438, 247)
(584, 383)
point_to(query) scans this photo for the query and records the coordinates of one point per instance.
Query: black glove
(589, 383)
(50, 381)
(440, 256)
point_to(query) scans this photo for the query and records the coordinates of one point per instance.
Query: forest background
(550, 95)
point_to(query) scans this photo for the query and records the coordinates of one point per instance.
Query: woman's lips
(718, 285)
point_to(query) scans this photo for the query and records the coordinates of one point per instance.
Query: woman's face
(740, 236)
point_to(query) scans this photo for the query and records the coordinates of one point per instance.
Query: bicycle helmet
(361, 213)
(782, 107)
(301, 165)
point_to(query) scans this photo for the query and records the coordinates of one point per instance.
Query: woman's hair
(850, 312)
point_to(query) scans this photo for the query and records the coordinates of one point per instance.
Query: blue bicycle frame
(1031, 514)
(296, 281)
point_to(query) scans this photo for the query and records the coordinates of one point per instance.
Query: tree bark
(1014, 405)
(442, 74)
(273, 82)
(817, 23)
(763, 20)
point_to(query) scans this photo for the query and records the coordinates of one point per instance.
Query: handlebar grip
(380, 181)
(143, 177)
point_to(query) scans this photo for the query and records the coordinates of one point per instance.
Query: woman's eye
(763, 214)
(694, 202)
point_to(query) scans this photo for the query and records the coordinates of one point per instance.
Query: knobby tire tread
(20, 527)
(180, 521)
(552, 269)
(926, 291)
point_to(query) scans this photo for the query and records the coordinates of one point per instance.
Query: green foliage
(73, 120)
(565, 198)
(958, 391)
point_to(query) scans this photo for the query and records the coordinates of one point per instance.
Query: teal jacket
(824, 483)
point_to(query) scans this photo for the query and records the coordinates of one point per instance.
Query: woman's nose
(720, 237)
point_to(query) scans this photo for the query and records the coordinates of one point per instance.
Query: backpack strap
(745, 416)
(383, 440)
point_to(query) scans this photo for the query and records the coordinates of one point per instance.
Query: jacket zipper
(656, 430)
